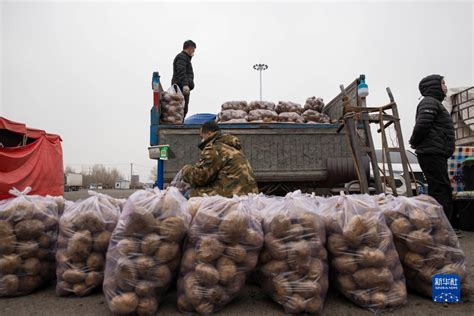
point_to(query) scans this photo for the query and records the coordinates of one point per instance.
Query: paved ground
(252, 301)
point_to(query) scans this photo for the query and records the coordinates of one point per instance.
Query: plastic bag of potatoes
(290, 117)
(288, 106)
(260, 105)
(234, 105)
(222, 248)
(28, 232)
(315, 104)
(425, 241)
(84, 235)
(172, 106)
(229, 115)
(293, 268)
(316, 117)
(263, 116)
(145, 251)
(364, 262)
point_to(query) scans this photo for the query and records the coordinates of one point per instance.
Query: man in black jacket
(433, 140)
(183, 74)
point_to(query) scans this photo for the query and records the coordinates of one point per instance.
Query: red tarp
(38, 165)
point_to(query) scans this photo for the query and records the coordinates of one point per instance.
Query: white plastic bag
(172, 105)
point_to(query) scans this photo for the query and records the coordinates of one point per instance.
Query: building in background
(135, 184)
(122, 185)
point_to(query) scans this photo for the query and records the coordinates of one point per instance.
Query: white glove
(186, 90)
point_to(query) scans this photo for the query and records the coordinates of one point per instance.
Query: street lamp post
(260, 68)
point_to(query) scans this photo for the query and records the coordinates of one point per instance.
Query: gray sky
(83, 70)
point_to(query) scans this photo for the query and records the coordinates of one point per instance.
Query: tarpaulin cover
(38, 165)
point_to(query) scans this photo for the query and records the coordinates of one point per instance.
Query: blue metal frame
(154, 125)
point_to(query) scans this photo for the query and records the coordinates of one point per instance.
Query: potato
(192, 289)
(370, 257)
(143, 264)
(337, 244)
(207, 221)
(250, 261)
(32, 266)
(184, 305)
(89, 221)
(233, 226)
(227, 270)
(80, 244)
(145, 288)
(391, 258)
(147, 306)
(419, 218)
(7, 244)
(27, 249)
(63, 288)
(345, 264)
(94, 279)
(9, 264)
(314, 305)
(295, 304)
(299, 250)
(362, 297)
(316, 269)
(187, 263)
(281, 289)
(125, 303)
(300, 265)
(275, 247)
(127, 247)
(80, 289)
(378, 300)
(307, 288)
(354, 230)
(311, 222)
(252, 238)
(264, 256)
(236, 252)
(454, 268)
(207, 274)
(280, 225)
(6, 229)
(398, 294)
(274, 267)
(101, 241)
(373, 277)
(44, 240)
(204, 308)
(209, 249)
(419, 241)
(346, 282)
(167, 252)
(139, 223)
(296, 232)
(29, 229)
(150, 244)
(173, 229)
(9, 285)
(28, 283)
(126, 274)
(373, 238)
(74, 276)
(441, 236)
(161, 275)
(96, 261)
(426, 273)
(236, 283)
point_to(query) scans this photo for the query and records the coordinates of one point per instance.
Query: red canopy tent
(30, 158)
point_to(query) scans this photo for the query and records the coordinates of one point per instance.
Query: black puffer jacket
(434, 130)
(183, 74)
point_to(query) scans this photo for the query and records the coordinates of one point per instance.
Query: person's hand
(186, 90)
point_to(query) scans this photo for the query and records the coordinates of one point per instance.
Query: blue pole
(161, 175)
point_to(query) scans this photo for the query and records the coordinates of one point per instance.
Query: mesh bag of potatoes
(260, 105)
(290, 117)
(145, 251)
(172, 106)
(365, 266)
(293, 268)
(28, 232)
(234, 105)
(288, 106)
(312, 116)
(315, 104)
(425, 241)
(262, 116)
(84, 235)
(229, 115)
(221, 250)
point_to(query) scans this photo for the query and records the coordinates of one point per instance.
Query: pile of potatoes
(288, 106)
(228, 115)
(260, 105)
(84, 234)
(315, 104)
(172, 107)
(262, 116)
(145, 251)
(425, 241)
(290, 117)
(293, 268)
(28, 232)
(222, 248)
(365, 265)
(234, 105)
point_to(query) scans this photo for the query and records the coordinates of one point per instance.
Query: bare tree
(68, 170)
(100, 174)
(153, 174)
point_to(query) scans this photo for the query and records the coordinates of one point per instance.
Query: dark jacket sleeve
(180, 70)
(426, 114)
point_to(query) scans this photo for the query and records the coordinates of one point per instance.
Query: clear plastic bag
(179, 183)
(288, 106)
(234, 105)
(145, 251)
(221, 250)
(315, 104)
(425, 241)
(84, 234)
(236, 121)
(28, 232)
(172, 105)
(293, 267)
(365, 266)
(266, 116)
(261, 105)
(316, 117)
(290, 117)
(228, 115)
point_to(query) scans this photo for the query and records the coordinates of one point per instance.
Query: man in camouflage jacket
(222, 169)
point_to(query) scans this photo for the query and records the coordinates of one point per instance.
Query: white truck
(72, 182)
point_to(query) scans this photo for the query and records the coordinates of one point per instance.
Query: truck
(72, 182)
(284, 156)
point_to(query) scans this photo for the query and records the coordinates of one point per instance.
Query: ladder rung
(393, 149)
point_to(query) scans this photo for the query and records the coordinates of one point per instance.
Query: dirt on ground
(252, 301)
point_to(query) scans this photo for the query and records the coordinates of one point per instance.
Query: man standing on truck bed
(433, 140)
(222, 169)
(183, 74)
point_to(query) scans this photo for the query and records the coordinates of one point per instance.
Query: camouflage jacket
(221, 170)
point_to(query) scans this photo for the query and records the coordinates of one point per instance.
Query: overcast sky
(83, 70)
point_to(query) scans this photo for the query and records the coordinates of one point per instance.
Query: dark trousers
(435, 169)
(186, 101)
